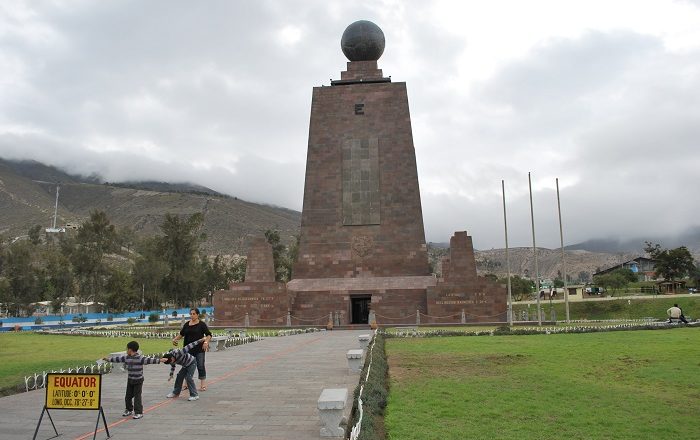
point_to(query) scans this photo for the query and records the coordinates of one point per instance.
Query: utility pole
(505, 224)
(534, 253)
(563, 260)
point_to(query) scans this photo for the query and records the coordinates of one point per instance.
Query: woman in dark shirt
(193, 330)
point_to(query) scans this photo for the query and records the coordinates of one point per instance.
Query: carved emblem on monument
(362, 245)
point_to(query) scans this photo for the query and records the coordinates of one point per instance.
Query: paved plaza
(263, 390)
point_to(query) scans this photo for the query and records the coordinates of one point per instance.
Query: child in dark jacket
(188, 365)
(134, 363)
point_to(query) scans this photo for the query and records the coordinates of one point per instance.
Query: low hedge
(374, 396)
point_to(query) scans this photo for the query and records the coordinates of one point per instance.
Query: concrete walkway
(263, 390)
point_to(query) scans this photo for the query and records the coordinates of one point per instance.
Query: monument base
(459, 296)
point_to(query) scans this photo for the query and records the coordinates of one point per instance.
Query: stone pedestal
(330, 410)
(355, 361)
(364, 341)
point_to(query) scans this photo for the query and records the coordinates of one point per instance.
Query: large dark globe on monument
(362, 41)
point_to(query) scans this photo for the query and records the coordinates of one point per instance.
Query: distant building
(669, 287)
(641, 266)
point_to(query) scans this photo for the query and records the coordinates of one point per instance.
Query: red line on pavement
(219, 379)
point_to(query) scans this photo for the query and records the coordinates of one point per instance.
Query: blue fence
(53, 321)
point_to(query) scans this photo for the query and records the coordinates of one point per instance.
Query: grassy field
(27, 353)
(625, 308)
(616, 385)
(487, 328)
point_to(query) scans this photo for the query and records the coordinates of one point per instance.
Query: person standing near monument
(194, 330)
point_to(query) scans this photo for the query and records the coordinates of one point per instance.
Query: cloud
(219, 94)
(610, 114)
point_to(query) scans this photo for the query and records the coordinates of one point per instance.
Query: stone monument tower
(362, 214)
(362, 244)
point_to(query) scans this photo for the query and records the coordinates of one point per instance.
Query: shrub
(374, 396)
(153, 318)
(131, 320)
(503, 330)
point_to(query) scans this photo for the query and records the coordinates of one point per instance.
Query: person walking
(194, 330)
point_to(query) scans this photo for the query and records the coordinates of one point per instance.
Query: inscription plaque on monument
(361, 182)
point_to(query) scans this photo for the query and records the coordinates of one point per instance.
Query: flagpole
(505, 225)
(563, 260)
(534, 253)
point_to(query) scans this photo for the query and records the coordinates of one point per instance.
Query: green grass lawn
(22, 354)
(623, 308)
(25, 353)
(615, 385)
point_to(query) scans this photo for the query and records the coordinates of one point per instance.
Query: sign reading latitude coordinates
(73, 391)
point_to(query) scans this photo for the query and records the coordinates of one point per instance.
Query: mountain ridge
(27, 197)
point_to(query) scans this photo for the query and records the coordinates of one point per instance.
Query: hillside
(27, 196)
(548, 261)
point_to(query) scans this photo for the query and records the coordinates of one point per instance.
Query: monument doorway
(359, 307)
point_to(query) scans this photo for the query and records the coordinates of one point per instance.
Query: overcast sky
(604, 95)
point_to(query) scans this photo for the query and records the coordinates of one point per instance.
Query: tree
(695, 275)
(5, 294)
(235, 272)
(96, 237)
(279, 256)
(149, 271)
(292, 255)
(558, 283)
(584, 277)
(214, 275)
(121, 294)
(59, 279)
(611, 281)
(2, 253)
(520, 288)
(671, 264)
(35, 234)
(126, 237)
(627, 274)
(180, 247)
(25, 283)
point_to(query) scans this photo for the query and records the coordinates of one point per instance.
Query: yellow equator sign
(73, 391)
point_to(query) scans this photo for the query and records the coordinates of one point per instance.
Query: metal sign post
(73, 391)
